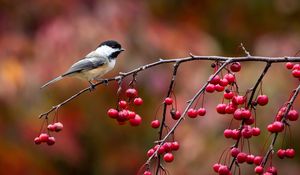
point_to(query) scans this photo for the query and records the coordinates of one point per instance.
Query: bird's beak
(122, 49)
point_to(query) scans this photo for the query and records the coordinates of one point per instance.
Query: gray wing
(85, 64)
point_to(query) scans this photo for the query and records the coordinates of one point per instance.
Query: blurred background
(39, 39)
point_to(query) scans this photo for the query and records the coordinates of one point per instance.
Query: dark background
(39, 39)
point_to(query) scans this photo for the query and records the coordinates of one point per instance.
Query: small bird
(95, 64)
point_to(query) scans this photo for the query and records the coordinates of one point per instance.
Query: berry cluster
(295, 69)
(123, 113)
(45, 137)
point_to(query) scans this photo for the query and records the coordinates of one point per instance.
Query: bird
(95, 64)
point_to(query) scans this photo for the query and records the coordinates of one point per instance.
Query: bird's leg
(92, 86)
(105, 81)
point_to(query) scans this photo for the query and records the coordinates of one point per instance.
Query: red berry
(58, 126)
(259, 169)
(293, 115)
(289, 65)
(131, 114)
(272, 170)
(215, 80)
(223, 82)
(138, 101)
(250, 159)
(237, 114)
(123, 104)
(235, 67)
(236, 134)
(296, 73)
(147, 173)
(51, 141)
(228, 94)
(296, 66)
(223, 170)
(123, 115)
(37, 140)
(221, 108)
(257, 160)
(112, 113)
(192, 113)
(44, 137)
(281, 153)
(131, 93)
(238, 100)
(290, 153)
(216, 167)
(155, 124)
(241, 157)
(219, 88)
(161, 150)
(278, 126)
(246, 114)
(262, 100)
(168, 101)
(228, 133)
(201, 111)
(137, 120)
(175, 146)
(230, 77)
(167, 146)
(255, 131)
(230, 108)
(175, 115)
(234, 151)
(247, 132)
(51, 127)
(150, 152)
(210, 88)
(249, 121)
(168, 157)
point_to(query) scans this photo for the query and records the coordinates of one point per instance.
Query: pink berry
(201, 111)
(230, 78)
(221, 108)
(215, 80)
(51, 127)
(123, 104)
(175, 115)
(241, 157)
(237, 114)
(230, 108)
(44, 137)
(175, 146)
(290, 153)
(216, 167)
(235, 67)
(123, 115)
(168, 101)
(262, 100)
(272, 170)
(250, 159)
(246, 114)
(37, 140)
(296, 67)
(51, 141)
(155, 124)
(257, 160)
(247, 132)
(259, 169)
(293, 115)
(219, 88)
(112, 113)
(223, 82)
(150, 152)
(131, 114)
(137, 120)
(236, 134)
(210, 88)
(223, 170)
(228, 133)
(228, 94)
(58, 126)
(167, 146)
(234, 151)
(192, 113)
(147, 173)
(289, 65)
(255, 131)
(161, 150)
(278, 126)
(296, 73)
(138, 101)
(238, 100)
(131, 93)
(281, 153)
(168, 157)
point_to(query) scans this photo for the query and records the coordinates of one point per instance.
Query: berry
(131, 114)
(138, 101)
(137, 120)
(161, 150)
(230, 78)
(241, 157)
(249, 121)
(250, 159)
(51, 141)
(123, 104)
(238, 100)
(289, 65)
(123, 115)
(293, 115)
(262, 100)
(219, 88)
(223, 170)
(221, 108)
(234, 151)
(215, 80)
(150, 152)
(259, 169)
(235, 67)
(257, 160)
(228, 94)
(230, 108)
(175, 146)
(272, 170)
(168, 101)
(296, 73)
(155, 124)
(247, 132)
(201, 111)
(112, 113)
(37, 140)
(246, 114)
(237, 114)
(210, 88)
(175, 114)
(278, 126)
(223, 82)
(147, 173)
(296, 67)
(236, 134)
(44, 137)
(192, 113)
(51, 127)
(168, 157)
(131, 93)
(290, 153)
(216, 167)
(255, 131)
(281, 153)
(228, 133)
(58, 126)
(167, 146)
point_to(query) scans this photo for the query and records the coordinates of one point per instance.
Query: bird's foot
(92, 86)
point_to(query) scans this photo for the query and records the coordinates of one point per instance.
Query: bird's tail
(52, 81)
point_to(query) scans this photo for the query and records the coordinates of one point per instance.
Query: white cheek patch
(105, 50)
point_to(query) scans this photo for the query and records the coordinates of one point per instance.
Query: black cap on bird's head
(114, 45)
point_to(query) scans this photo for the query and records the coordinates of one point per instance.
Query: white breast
(98, 72)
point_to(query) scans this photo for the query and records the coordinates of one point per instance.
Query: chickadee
(95, 64)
